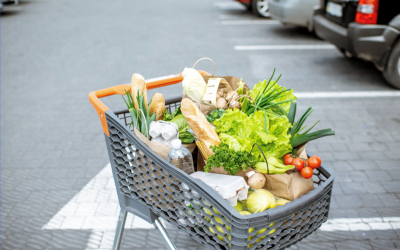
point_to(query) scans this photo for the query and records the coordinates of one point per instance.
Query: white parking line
(285, 47)
(361, 224)
(230, 5)
(249, 22)
(347, 94)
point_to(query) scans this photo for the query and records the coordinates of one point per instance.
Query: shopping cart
(149, 187)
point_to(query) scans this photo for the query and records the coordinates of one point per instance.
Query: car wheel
(392, 71)
(260, 8)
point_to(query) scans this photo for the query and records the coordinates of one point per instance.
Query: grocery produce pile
(248, 133)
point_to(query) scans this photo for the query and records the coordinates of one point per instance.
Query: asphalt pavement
(56, 191)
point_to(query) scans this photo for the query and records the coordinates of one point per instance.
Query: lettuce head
(240, 132)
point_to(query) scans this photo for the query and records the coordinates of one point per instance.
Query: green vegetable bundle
(275, 166)
(297, 138)
(268, 96)
(231, 160)
(141, 118)
(240, 132)
(215, 114)
(177, 117)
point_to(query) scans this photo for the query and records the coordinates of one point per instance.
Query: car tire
(392, 71)
(260, 8)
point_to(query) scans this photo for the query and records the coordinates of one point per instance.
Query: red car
(257, 7)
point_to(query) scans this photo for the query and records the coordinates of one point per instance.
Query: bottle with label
(180, 157)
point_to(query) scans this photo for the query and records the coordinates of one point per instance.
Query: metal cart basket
(149, 187)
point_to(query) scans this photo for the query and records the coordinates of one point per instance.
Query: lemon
(238, 207)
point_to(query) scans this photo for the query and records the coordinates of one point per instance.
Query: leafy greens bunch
(230, 159)
(240, 132)
(215, 114)
(177, 117)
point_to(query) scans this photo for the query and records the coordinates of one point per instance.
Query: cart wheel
(392, 71)
(260, 8)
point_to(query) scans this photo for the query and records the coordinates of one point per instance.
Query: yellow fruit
(238, 207)
(260, 200)
(244, 213)
(220, 229)
(281, 201)
(209, 212)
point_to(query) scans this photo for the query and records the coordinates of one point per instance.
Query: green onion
(267, 99)
(141, 118)
(297, 138)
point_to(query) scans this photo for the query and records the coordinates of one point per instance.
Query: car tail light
(367, 12)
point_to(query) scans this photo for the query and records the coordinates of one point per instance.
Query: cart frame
(149, 187)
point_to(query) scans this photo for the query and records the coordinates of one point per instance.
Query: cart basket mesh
(144, 177)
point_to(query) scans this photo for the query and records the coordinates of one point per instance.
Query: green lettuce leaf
(240, 132)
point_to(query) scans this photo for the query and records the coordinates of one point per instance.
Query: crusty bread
(158, 106)
(138, 83)
(199, 124)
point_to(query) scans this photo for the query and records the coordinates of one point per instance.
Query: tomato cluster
(305, 167)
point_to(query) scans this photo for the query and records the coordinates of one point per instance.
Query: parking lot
(57, 190)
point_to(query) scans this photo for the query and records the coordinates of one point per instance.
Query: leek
(296, 138)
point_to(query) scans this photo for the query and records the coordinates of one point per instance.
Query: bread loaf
(158, 106)
(138, 83)
(199, 124)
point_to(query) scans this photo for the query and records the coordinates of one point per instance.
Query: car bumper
(368, 42)
(291, 12)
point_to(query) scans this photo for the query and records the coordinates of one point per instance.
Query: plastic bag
(193, 85)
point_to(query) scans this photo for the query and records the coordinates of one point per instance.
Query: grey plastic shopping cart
(149, 187)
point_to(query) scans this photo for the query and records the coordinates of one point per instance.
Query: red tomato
(288, 159)
(307, 172)
(306, 163)
(299, 163)
(314, 162)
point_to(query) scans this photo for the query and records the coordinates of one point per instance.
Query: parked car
(367, 29)
(6, 4)
(257, 7)
(297, 12)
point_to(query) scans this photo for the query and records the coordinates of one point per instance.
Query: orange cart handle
(154, 83)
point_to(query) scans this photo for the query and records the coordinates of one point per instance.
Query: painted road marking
(362, 224)
(96, 207)
(249, 22)
(347, 94)
(285, 47)
(230, 5)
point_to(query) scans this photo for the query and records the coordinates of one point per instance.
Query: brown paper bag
(207, 108)
(290, 186)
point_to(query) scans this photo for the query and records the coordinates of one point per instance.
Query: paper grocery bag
(290, 186)
(232, 81)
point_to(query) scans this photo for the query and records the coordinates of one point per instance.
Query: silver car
(297, 12)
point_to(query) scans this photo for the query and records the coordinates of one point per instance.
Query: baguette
(200, 126)
(138, 83)
(158, 106)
